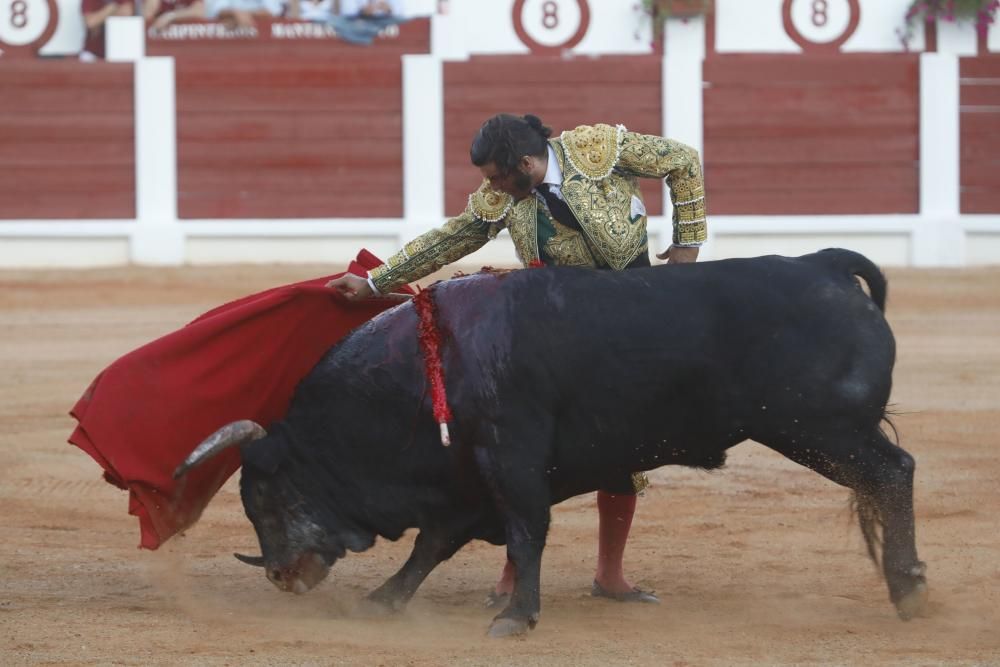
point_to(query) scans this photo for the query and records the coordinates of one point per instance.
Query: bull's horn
(256, 561)
(235, 433)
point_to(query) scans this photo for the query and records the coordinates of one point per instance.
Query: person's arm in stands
(150, 8)
(96, 18)
(236, 18)
(196, 10)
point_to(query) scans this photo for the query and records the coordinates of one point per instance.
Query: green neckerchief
(546, 230)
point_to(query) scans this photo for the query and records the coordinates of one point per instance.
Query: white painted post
(124, 39)
(956, 38)
(682, 91)
(683, 60)
(448, 38)
(158, 237)
(423, 144)
(938, 239)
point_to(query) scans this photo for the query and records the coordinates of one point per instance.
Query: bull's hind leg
(881, 476)
(888, 501)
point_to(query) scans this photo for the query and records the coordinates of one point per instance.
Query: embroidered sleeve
(439, 247)
(655, 157)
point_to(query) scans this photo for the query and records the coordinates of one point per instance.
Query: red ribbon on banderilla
(430, 343)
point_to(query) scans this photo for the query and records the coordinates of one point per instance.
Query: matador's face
(517, 183)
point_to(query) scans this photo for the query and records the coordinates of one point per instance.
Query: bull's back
(726, 341)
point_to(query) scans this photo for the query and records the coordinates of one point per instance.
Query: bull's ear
(265, 454)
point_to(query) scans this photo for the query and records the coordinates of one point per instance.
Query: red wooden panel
(66, 140)
(291, 180)
(842, 177)
(288, 100)
(101, 127)
(315, 153)
(811, 134)
(223, 73)
(267, 126)
(62, 180)
(44, 205)
(865, 147)
(981, 174)
(555, 97)
(721, 121)
(563, 93)
(980, 134)
(53, 74)
(830, 200)
(833, 101)
(539, 70)
(82, 153)
(42, 86)
(981, 95)
(981, 67)
(798, 70)
(290, 138)
(41, 100)
(247, 203)
(978, 200)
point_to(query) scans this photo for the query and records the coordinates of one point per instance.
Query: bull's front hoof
(508, 627)
(914, 602)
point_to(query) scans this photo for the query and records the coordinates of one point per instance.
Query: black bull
(563, 381)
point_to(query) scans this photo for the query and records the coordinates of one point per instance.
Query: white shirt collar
(553, 174)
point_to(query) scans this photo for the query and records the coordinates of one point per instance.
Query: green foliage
(980, 12)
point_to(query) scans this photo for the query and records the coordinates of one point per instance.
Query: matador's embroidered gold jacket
(600, 166)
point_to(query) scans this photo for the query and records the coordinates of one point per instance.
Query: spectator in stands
(371, 8)
(241, 13)
(95, 15)
(361, 21)
(161, 13)
(311, 10)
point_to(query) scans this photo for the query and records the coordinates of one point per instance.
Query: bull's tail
(856, 264)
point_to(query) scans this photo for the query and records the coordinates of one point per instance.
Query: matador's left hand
(679, 254)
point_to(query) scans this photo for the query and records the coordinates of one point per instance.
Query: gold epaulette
(593, 150)
(489, 205)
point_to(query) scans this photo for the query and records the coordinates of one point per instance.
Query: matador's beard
(522, 182)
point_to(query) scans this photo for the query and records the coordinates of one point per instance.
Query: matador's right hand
(353, 287)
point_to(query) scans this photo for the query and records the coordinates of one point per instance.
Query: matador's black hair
(505, 138)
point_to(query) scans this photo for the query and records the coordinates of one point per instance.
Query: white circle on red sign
(551, 25)
(23, 22)
(825, 24)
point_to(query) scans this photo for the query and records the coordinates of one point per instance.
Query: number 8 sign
(26, 25)
(821, 25)
(550, 26)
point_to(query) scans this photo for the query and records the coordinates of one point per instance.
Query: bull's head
(297, 548)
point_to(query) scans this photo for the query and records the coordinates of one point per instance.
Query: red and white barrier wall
(816, 127)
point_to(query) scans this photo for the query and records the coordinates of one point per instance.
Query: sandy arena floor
(757, 564)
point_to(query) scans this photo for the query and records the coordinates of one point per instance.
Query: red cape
(144, 413)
